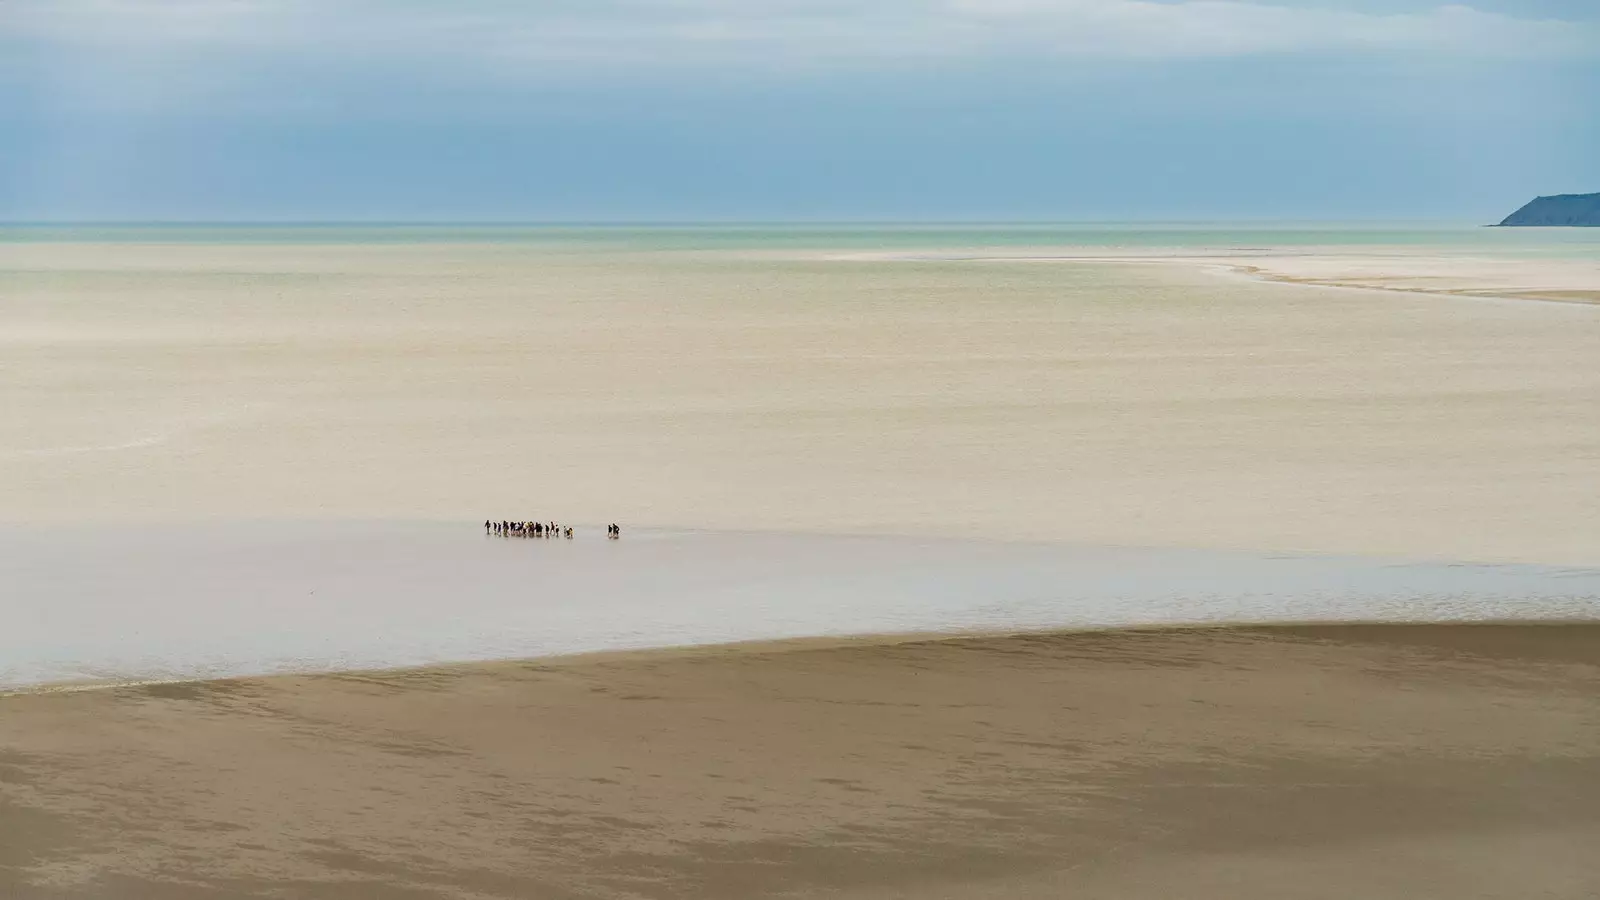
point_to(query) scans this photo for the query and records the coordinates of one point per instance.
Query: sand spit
(1371, 761)
(1558, 282)
(1553, 280)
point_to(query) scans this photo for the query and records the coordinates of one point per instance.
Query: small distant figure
(487, 526)
(614, 531)
(568, 532)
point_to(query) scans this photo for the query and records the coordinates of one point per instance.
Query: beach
(1373, 761)
(746, 381)
(976, 562)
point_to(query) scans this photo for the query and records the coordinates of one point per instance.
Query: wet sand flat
(1102, 402)
(1371, 761)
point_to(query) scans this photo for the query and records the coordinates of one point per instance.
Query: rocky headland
(1557, 211)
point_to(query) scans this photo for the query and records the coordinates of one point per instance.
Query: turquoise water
(1417, 237)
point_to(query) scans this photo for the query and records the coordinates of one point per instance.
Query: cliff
(1562, 209)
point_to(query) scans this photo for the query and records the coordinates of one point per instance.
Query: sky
(806, 110)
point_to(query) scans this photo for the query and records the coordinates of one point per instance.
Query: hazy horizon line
(710, 222)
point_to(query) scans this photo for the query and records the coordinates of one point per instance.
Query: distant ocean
(866, 237)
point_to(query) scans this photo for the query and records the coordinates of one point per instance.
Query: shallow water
(184, 602)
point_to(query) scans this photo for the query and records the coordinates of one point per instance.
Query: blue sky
(593, 110)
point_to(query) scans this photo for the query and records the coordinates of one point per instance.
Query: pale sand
(1572, 279)
(1328, 762)
(1568, 281)
(1099, 403)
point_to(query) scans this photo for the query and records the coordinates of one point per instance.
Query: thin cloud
(784, 32)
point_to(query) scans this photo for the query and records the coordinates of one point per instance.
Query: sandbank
(1564, 281)
(1560, 279)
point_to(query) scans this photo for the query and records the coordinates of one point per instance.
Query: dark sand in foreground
(1338, 761)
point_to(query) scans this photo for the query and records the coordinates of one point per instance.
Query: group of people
(506, 528)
